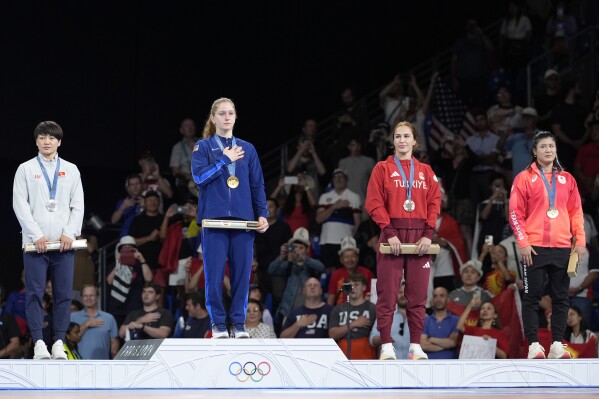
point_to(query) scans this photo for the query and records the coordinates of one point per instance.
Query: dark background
(119, 76)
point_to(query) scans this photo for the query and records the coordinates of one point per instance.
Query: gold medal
(232, 182)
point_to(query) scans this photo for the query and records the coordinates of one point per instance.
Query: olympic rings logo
(249, 371)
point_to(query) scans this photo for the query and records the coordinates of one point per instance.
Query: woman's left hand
(580, 250)
(262, 224)
(423, 245)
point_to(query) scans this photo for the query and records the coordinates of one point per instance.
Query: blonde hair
(412, 128)
(210, 127)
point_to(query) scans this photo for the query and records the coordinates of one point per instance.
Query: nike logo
(215, 149)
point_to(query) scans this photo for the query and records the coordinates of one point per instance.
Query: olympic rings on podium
(249, 370)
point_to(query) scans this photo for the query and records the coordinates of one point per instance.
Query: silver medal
(409, 205)
(51, 205)
(552, 213)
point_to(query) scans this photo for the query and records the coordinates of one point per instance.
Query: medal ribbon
(403, 175)
(51, 188)
(231, 166)
(550, 190)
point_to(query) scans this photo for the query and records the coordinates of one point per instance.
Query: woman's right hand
(234, 153)
(395, 245)
(527, 253)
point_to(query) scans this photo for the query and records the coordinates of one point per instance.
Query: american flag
(450, 116)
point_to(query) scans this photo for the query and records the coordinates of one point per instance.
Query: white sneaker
(58, 351)
(387, 352)
(238, 331)
(220, 331)
(40, 351)
(536, 351)
(557, 351)
(416, 353)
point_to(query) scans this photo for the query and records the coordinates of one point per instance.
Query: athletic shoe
(238, 331)
(58, 351)
(536, 351)
(40, 351)
(387, 352)
(219, 330)
(557, 351)
(416, 353)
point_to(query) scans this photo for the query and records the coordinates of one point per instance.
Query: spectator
(354, 319)
(561, 26)
(440, 335)
(367, 240)
(488, 326)
(150, 321)
(504, 117)
(299, 201)
(498, 277)
(307, 161)
(568, 125)
(514, 43)
(577, 331)
(180, 162)
(76, 306)
(586, 167)
(180, 234)
(253, 322)
(349, 256)
(340, 213)
(99, 332)
(471, 273)
(517, 146)
(492, 215)
(72, 338)
(550, 98)
(297, 267)
(358, 168)
(130, 206)
(152, 179)
(256, 293)
(394, 100)
(197, 324)
(483, 145)
(127, 279)
(15, 305)
(400, 330)
(470, 64)
(587, 273)
(310, 320)
(145, 228)
(10, 347)
(268, 247)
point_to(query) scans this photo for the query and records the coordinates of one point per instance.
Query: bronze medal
(232, 182)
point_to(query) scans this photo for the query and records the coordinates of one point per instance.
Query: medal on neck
(51, 204)
(232, 180)
(408, 204)
(552, 211)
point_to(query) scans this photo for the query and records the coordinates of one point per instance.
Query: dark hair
(157, 288)
(273, 199)
(496, 176)
(357, 278)
(289, 205)
(543, 134)
(477, 112)
(131, 177)
(583, 325)
(71, 326)
(48, 128)
(77, 304)
(197, 298)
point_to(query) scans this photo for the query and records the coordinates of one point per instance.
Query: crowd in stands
(313, 268)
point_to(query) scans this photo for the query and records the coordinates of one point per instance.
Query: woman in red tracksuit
(404, 199)
(545, 214)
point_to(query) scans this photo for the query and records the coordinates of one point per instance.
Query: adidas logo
(395, 174)
(427, 265)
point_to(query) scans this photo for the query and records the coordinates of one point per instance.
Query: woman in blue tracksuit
(231, 186)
